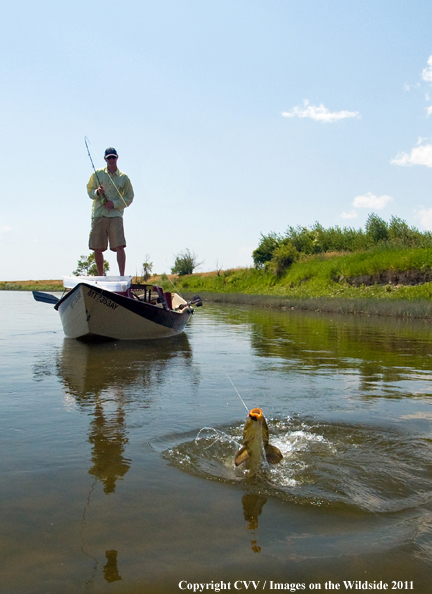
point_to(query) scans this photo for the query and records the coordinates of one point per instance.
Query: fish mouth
(256, 414)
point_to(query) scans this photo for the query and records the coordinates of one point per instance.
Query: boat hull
(88, 312)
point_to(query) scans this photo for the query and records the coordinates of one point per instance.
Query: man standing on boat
(111, 192)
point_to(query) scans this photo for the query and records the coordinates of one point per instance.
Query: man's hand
(109, 204)
(100, 191)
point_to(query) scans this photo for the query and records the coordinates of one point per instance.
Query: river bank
(369, 301)
(32, 285)
(397, 308)
(394, 281)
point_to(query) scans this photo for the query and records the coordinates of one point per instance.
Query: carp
(256, 448)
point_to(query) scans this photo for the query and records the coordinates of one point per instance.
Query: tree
(399, 230)
(87, 266)
(185, 263)
(147, 268)
(376, 228)
(302, 238)
(264, 251)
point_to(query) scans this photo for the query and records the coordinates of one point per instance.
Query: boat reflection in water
(107, 381)
(108, 438)
(104, 379)
(89, 369)
(110, 570)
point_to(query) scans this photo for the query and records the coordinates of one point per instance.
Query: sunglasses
(111, 157)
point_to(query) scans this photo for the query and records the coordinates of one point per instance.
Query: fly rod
(94, 168)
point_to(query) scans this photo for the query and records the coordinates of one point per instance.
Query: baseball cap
(111, 152)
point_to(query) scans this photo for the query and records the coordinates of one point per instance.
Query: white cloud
(427, 72)
(5, 229)
(420, 155)
(349, 215)
(407, 87)
(319, 113)
(369, 200)
(425, 216)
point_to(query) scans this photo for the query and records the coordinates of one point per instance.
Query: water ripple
(371, 469)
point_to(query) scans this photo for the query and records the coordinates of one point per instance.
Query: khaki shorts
(104, 228)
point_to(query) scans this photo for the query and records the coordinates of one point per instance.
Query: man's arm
(94, 190)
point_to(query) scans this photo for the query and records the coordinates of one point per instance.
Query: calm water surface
(117, 459)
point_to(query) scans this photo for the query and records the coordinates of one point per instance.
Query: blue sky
(232, 119)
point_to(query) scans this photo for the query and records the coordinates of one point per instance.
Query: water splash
(366, 468)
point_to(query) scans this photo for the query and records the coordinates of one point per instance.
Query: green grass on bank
(319, 282)
(43, 285)
(322, 276)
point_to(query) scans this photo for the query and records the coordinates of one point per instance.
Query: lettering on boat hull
(102, 299)
(75, 300)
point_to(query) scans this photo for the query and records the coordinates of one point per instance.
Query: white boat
(112, 307)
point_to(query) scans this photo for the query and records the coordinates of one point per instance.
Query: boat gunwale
(121, 298)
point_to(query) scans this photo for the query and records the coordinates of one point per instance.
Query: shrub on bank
(322, 275)
(318, 240)
(283, 256)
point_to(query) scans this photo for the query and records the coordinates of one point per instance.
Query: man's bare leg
(99, 259)
(121, 260)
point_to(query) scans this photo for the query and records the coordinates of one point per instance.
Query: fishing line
(177, 290)
(237, 392)
(118, 191)
(220, 436)
(170, 280)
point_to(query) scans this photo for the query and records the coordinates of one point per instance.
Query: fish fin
(273, 454)
(241, 456)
